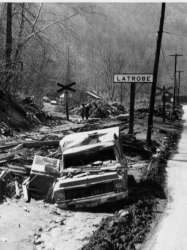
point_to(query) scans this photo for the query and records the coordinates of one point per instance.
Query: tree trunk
(20, 35)
(8, 49)
(8, 36)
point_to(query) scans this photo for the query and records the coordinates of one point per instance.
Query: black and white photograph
(93, 125)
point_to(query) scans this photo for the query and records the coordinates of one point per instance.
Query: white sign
(130, 78)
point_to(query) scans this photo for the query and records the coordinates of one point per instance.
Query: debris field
(128, 221)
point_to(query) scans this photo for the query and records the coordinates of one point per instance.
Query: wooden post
(66, 105)
(121, 94)
(155, 73)
(132, 102)
(67, 82)
(121, 159)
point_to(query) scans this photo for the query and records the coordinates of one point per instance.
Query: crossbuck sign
(133, 78)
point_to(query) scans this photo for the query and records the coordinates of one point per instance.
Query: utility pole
(67, 82)
(175, 80)
(155, 73)
(179, 83)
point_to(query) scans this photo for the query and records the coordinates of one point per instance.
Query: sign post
(65, 89)
(67, 106)
(132, 101)
(132, 79)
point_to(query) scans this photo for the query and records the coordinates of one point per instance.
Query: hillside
(102, 38)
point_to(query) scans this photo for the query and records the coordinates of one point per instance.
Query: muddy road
(36, 225)
(171, 232)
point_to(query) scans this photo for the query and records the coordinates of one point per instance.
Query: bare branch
(36, 19)
(29, 12)
(73, 33)
(42, 39)
(46, 27)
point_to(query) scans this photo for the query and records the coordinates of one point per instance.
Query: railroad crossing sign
(132, 79)
(66, 88)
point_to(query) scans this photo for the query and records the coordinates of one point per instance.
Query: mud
(37, 225)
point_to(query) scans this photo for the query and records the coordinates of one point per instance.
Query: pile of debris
(17, 114)
(125, 230)
(102, 109)
(82, 172)
(88, 157)
(16, 160)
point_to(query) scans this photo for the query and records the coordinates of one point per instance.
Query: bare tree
(112, 62)
(8, 50)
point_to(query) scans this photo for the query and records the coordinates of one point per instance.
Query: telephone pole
(175, 80)
(67, 82)
(155, 73)
(179, 83)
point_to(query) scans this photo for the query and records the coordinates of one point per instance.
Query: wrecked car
(94, 170)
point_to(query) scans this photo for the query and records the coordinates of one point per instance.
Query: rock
(40, 229)
(26, 210)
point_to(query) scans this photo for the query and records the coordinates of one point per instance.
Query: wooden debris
(18, 194)
(6, 157)
(38, 144)
(8, 146)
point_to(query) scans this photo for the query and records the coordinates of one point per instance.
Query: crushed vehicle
(93, 171)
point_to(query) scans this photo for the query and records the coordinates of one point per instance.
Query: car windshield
(88, 147)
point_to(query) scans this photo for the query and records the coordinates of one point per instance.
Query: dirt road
(171, 232)
(36, 225)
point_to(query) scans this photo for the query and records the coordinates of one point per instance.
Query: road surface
(40, 226)
(171, 233)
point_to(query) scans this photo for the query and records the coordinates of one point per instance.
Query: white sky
(99, 1)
